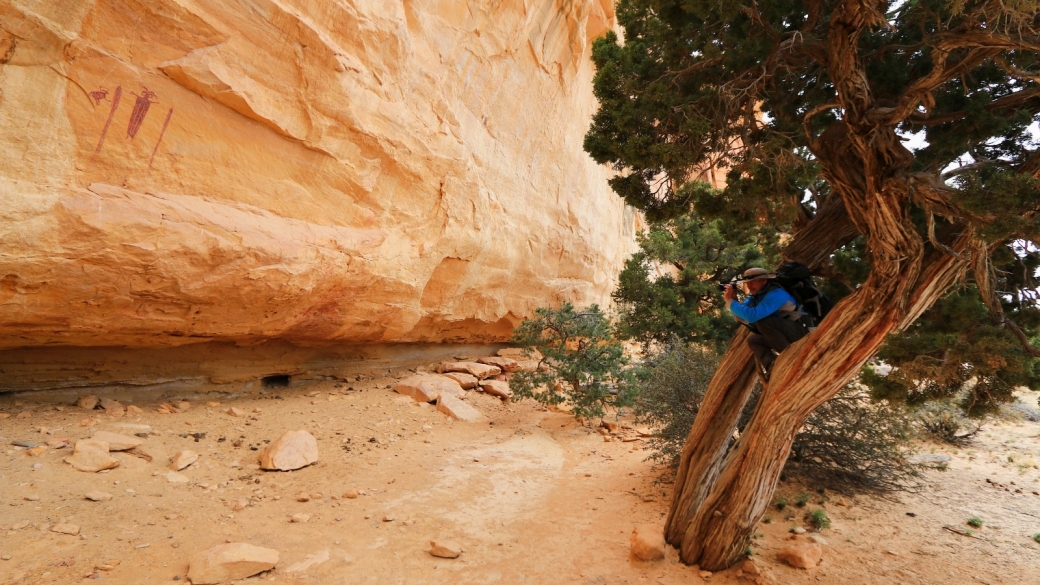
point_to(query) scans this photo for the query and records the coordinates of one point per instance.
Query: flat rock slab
(98, 496)
(803, 555)
(506, 364)
(457, 409)
(91, 455)
(230, 562)
(465, 380)
(647, 542)
(497, 388)
(427, 387)
(445, 549)
(480, 371)
(293, 450)
(182, 459)
(70, 529)
(117, 442)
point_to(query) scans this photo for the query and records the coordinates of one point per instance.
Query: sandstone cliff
(356, 171)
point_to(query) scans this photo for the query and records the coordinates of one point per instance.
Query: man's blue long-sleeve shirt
(770, 303)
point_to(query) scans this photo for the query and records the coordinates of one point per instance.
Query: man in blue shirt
(769, 310)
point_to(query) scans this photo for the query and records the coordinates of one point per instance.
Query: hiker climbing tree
(806, 105)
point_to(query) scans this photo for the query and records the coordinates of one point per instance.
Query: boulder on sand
(456, 408)
(230, 562)
(480, 371)
(293, 450)
(91, 455)
(427, 387)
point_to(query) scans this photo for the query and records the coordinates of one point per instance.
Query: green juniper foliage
(670, 287)
(583, 365)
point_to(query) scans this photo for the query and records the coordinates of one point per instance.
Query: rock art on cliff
(416, 174)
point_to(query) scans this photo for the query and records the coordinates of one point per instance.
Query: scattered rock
(183, 405)
(930, 460)
(388, 518)
(239, 504)
(427, 387)
(134, 409)
(457, 409)
(704, 574)
(229, 562)
(506, 364)
(36, 451)
(818, 539)
(465, 380)
(113, 407)
(174, 477)
(117, 442)
(300, 518)
(647, 542)
(70, 529)
(351, 495)
(480, 371)
(445, 549)
(798, 530)
(98, 496)
(803, 555)
(293, 450)
(32, 498)
(308, 562)
(88, 402)
(497, 389)
(182, 459)
(303, 497)
(57, 443)
(91, 455)
(235, 412)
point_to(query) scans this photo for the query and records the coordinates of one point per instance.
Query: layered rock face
(350, 171)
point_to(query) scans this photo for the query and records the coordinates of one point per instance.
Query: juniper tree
(803, 104)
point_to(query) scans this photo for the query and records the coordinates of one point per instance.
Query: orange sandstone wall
(350, 171)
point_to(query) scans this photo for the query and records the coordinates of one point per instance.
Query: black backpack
(796, 279)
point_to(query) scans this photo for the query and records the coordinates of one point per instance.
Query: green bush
(583, 365)
(849, 442)
(818, 518)
(975, 522)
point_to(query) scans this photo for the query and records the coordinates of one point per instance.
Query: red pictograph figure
(144, 101)
(111, 114)
(99, 96)
(169, 115)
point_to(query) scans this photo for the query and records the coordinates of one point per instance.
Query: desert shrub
(947, 423)
(583, 365)
(672, 385)
(975, 522)
(849, 442)
(818, 518)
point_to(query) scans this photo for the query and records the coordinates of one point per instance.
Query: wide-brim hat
(756, 273)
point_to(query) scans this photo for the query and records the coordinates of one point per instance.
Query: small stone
(293, 450)
(174, 477)
(388, 518)
(117, 442)
(303, 497)
(182, 459)
(705, 574)
(647, 542)
(505, 364)
(803, 555)
(113, 407)
(351, 495)
(818, 539)
(497, 389)
(36, 451)
(183, 405)
(458, 409)
(88, 402)
(98, 496)
(445, 549)
(235, 412)
(70, 529)
(240, 504)
(131, 409)
(230, 562)
(5, 557)
(300, 518)
(798, 530)
(57, 443)
(32, 498)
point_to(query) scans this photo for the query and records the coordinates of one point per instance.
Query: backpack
(796, 279)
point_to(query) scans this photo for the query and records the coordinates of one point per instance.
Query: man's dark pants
(774, 333)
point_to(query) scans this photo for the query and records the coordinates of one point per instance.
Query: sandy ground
(532, 497)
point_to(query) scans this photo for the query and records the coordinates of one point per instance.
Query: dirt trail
(531, 496)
